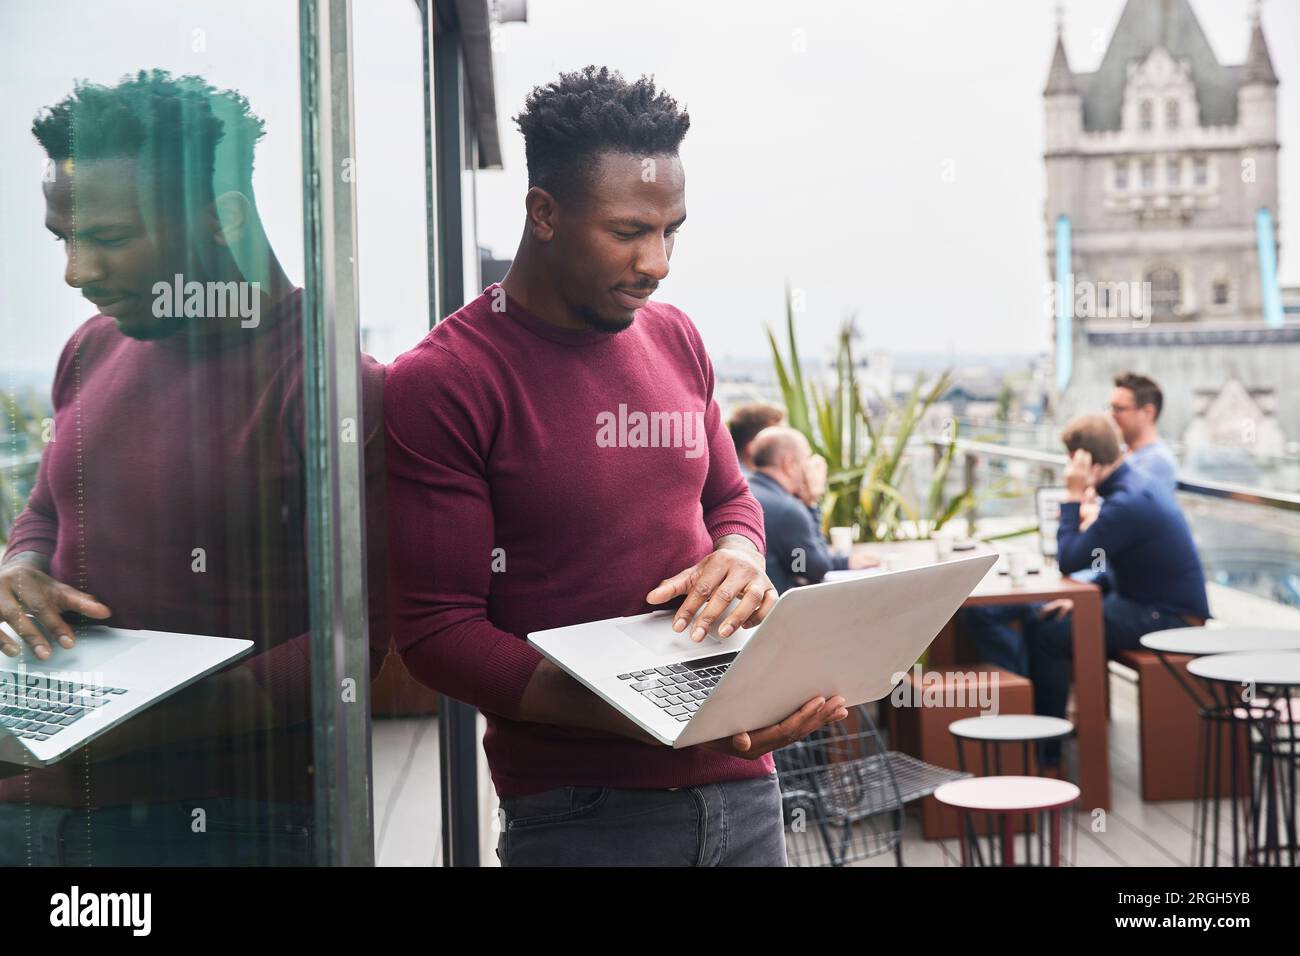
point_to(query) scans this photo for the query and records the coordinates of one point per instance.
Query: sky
(884, 157)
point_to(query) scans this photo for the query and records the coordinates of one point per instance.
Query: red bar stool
(1019, 735)
(1006, 798)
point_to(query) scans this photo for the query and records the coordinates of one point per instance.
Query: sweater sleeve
(729, 507)
(37, 526)
(441, 535)
(1117, 527)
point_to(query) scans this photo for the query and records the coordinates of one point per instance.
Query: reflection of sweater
(163, 448)
(524, 494)
(794, 541)
(1141, 541)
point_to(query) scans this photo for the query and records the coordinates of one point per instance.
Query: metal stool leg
(965, 825)
(1199, 810)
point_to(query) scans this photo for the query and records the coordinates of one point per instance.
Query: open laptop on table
(50, 708)
(849, 638)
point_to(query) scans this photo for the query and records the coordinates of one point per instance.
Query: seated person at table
(1135, 406)
(744, 425)
(1139, 538)
(796, 552)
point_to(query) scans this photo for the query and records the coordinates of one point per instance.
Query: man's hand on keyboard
(735, 569)
(26, 589)
(814, 715)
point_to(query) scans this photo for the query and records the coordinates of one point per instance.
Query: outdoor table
(1200, 642)
(1090, 674)
(1256, 690)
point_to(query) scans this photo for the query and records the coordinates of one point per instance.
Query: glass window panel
(154, 454)
(392, 228)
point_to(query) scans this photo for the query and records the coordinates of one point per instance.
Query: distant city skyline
(826, 167)
(885, 158)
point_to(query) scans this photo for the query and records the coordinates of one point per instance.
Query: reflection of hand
(814, 487)
(26, 589)
(733, 570)
(1055, 609)
(814, 715)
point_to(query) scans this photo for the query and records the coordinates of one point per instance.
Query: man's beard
(153, 329)
(601, 324)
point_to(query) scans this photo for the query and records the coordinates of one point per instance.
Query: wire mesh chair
(843, 793)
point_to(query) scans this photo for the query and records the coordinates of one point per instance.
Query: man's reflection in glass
(172, 497)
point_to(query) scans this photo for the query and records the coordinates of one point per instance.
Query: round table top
(1001, 794)
(1221, 640)
(1007, 727)
(1276, 669)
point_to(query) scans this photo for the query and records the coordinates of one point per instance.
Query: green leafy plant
(867, 454)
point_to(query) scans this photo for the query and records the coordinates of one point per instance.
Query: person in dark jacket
(796, 551)
(1139, 539)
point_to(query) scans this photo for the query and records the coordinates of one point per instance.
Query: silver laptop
(851, 638)
(50, 708)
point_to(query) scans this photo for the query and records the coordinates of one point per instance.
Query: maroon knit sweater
(530, 486)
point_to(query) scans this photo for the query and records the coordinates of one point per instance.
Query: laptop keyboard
(42, 714)
(679, 689)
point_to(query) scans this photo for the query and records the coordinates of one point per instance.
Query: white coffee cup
(943, 542)
(1018, 567)
(841, 540)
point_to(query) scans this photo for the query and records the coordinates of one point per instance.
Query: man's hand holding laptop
(735, 569)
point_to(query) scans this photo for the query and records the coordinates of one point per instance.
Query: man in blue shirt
(796, 552)
(1139, 539)
(1135, 405)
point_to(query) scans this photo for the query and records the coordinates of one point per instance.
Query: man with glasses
(1135, 405)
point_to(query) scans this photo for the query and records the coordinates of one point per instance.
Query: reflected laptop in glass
(50, 708)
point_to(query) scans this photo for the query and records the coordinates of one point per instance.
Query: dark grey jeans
(735, 823)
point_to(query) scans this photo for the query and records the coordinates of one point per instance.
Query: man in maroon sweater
(534, 482)
(171, 495)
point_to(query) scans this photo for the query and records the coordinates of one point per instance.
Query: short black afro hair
(568, 123)
(193, 132)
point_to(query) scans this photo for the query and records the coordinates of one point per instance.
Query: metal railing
(1195, 486)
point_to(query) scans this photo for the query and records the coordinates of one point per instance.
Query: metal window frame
(334, 463)
(445, 142)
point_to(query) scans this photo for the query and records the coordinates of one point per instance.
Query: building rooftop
(1143, 26)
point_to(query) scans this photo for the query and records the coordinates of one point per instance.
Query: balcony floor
(407, 808)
